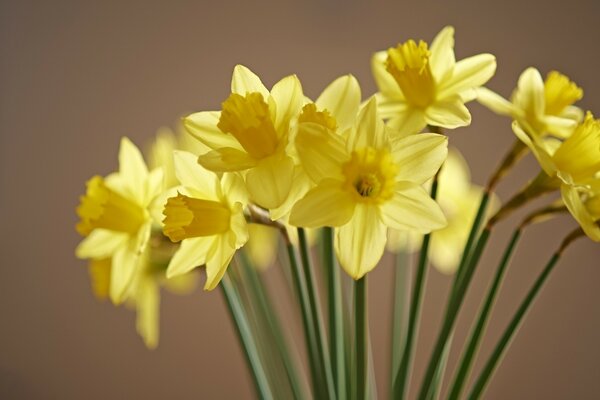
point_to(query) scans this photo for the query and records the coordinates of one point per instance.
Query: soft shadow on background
(76, 77)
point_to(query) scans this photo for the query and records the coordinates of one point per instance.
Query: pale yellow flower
(207, 217)
(584, 205)
(540, 107)
(251, 135)
(420, 86)
(459, 200)
(115, 218)
(370, 182)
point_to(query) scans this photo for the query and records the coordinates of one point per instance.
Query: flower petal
(389, 107)
(191, 254)
(495, 102)
(342, 99)
(288, 98)
(442, 54)
(409, 121)
(450, 113)
(193, 175)
(412, 208)
(419, 157)
(530, 92)
(100, 243)
(226, 159)
(203, 127)
(384, 80)
(218, 262)
(154, 184)
(321, 151)
(468, 73)
(325, 205)
(369, 130)
(132, 170)
(245, 81)
(124, 265)
(269, 183)
(147, 304)
(572, 199)
(262, 246)
(360, 243)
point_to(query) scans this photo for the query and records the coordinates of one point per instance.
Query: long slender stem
(315, 309)
(477, 332)
(401, 287)
(246, 339)
(401, 377)
(361, 335)
(307, 323)
(451, 314)
(267, 310)
(336, 315)
(490, 366)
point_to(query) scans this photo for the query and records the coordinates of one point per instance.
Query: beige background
(75, 77)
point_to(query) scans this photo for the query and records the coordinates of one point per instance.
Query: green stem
(451, 314)
(477, 332)
(246, 339)
(315, 309)
(490, 366)
(307, 323)
(361, 335)
(401, 377)
(401, 277)
(267, 310)
(336, 315)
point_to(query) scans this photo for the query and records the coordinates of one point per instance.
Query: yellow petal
(191, 174)
(203, 127)
(269, 183)
(419, 156)
(325, 205)
(360, 243)
(442, 53)
(191, 254)
(342, 99)
(412, 208)
(288, 97)
(495, 102)
(132, 169)
(147, 303)
(542, 155)
(410, 120)
(450, 113)
(370, 131)
(300, 187)
(577, 208)
(99, 270)
(321, 151)
(155, 184)
(226, 159)
(245, 81)
(234, 188)
(262, 246)
(468, 73)
(529, 95)
(218, 262)
(124, 265)
(101, 243)
(388, 107)
(385, 81)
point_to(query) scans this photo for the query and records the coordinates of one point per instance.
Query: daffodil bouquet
(273, 173)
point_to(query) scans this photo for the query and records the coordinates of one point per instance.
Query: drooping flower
(207, 216)
(369, 182)
(115, 218)
(459, 200)
(540, 107)
(420, 86)
(584, 205)
(251, 135)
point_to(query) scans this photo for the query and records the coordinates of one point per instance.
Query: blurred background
(76, 76)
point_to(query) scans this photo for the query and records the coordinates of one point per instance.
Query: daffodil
(251, 135)
(459, 199)
(115, 218)
(540, 107)
(207, 216)
(370, 182)
(584, 205)
(420, 86)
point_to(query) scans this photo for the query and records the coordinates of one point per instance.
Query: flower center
(247, 118)
(324, 118)
(560, 92)
(370, 175)
(408, 63)
(186, 217)
(104, 208)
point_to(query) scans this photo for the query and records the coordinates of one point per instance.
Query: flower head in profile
(419, 85)
(207, 216)
(367, 183)
(115, 217)
(540, 107)
(251, 135)
(459, 199)
(584, 205)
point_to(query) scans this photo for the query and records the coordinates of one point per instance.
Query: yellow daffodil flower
(584, 205)
(370, 182)
(540, 107)
(420, 86)
(207, 217)
(115, 218)
(459, 199)
(251, 135)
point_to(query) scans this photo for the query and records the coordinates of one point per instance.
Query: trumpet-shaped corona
(370, 175)
(186, 217)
